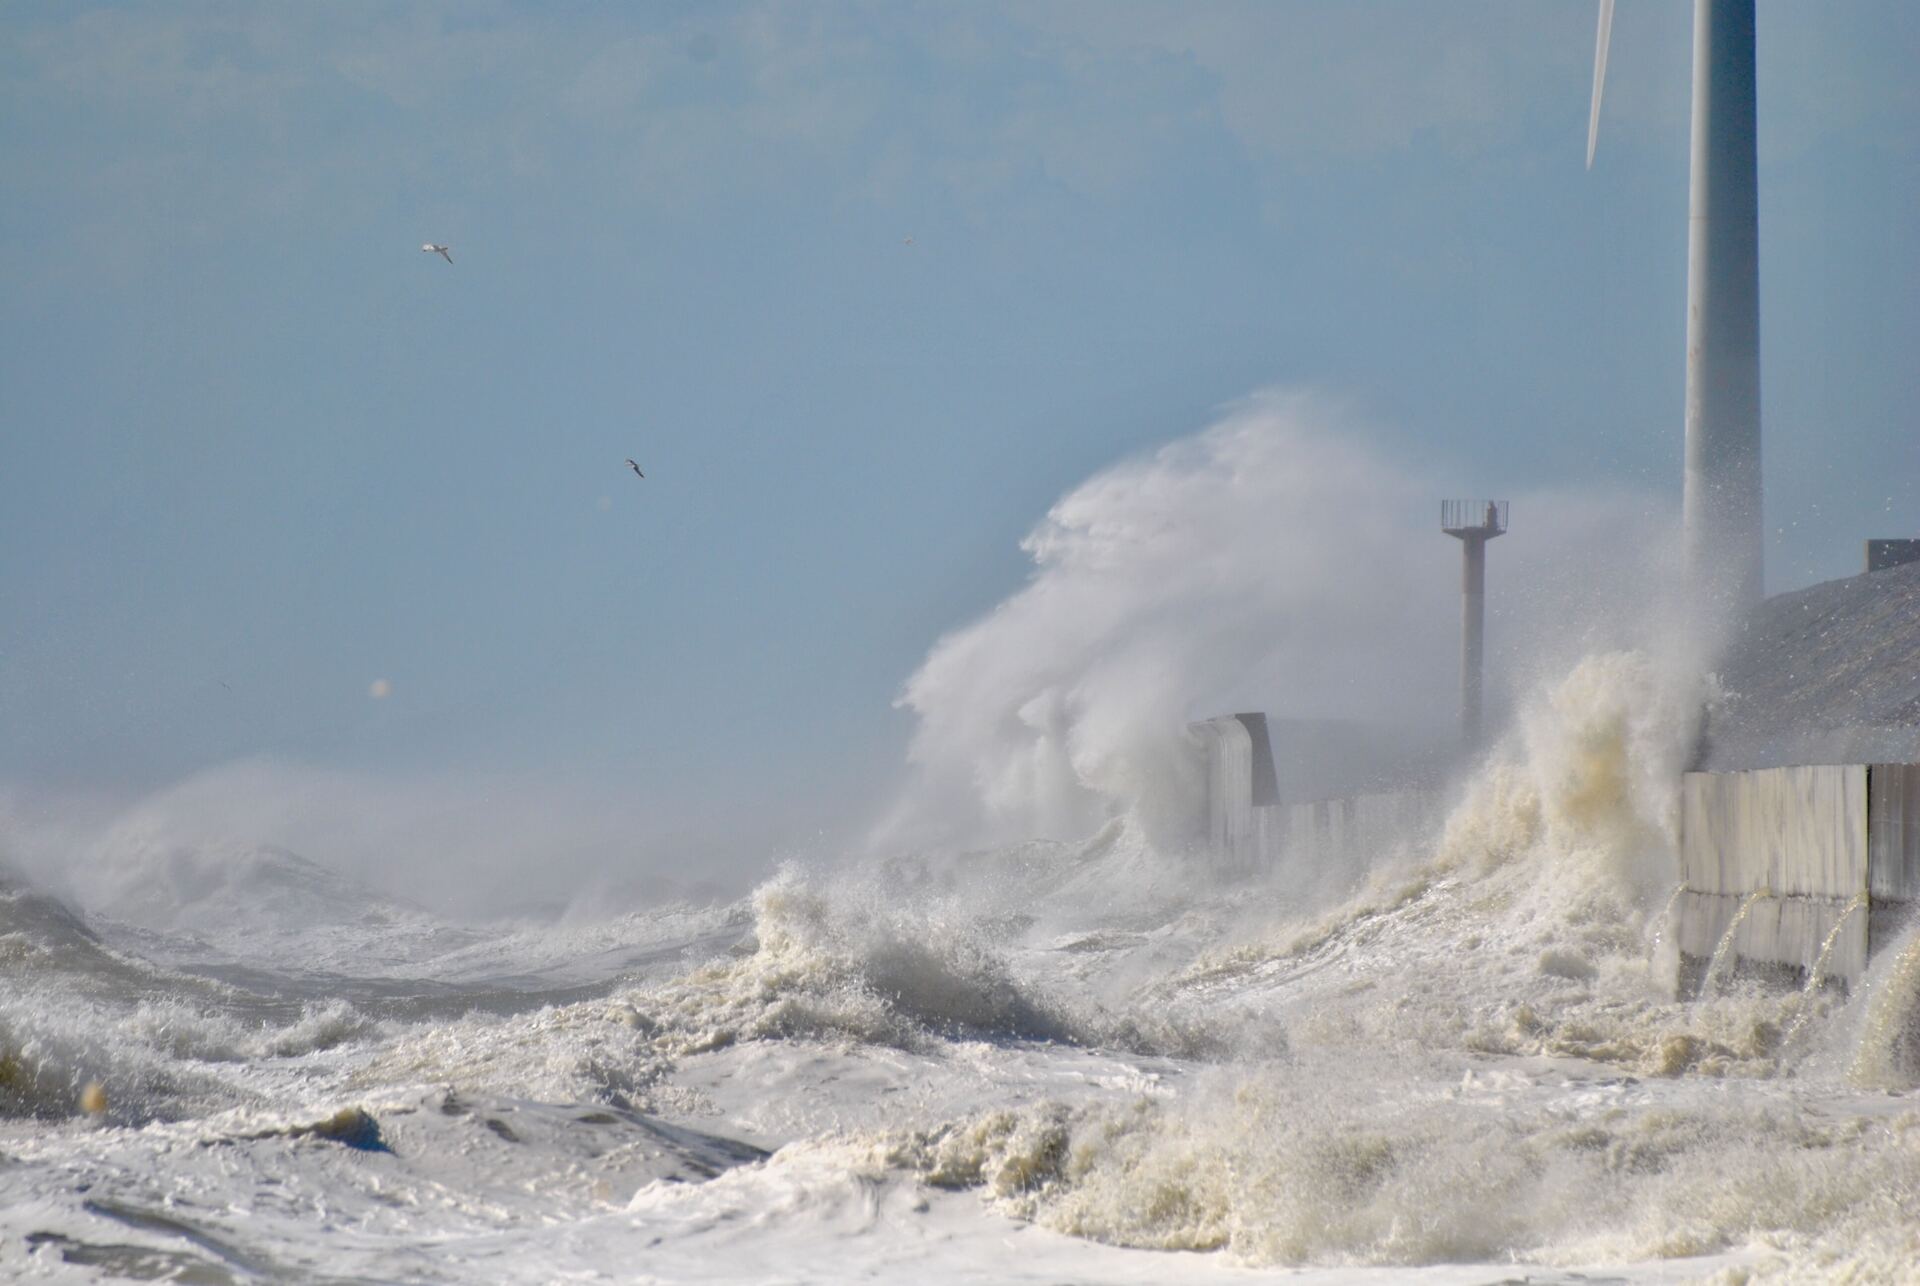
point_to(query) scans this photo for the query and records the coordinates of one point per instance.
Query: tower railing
(1484, 517)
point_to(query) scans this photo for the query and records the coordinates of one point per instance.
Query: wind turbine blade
(1599, 75)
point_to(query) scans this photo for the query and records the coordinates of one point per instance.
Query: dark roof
(1827, 674)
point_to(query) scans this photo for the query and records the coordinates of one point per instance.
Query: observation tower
(1473, 523)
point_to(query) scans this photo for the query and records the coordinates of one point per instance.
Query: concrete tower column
(1473, 523)
(1722, 504)
(1473, 633)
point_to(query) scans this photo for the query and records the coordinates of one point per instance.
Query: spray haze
(1282, 559)
(465, 842)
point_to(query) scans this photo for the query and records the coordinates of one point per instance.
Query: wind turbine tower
(1722, 501)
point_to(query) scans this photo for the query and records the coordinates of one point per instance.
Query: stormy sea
(1043, 1062)
(1104, 1057)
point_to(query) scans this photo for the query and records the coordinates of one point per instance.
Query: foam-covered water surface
(1049, 1060)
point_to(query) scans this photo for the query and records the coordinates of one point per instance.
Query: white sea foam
(832, 963)
(1338, 1162)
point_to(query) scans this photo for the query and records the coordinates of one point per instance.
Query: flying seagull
(636, 468)
(443, 251)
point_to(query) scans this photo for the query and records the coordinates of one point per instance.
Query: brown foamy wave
(1362, 1166)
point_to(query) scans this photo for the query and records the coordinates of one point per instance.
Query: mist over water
(467, 843)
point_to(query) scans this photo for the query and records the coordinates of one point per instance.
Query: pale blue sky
(261, 451)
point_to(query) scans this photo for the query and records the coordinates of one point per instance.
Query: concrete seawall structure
(1252, 827)
(1807, 868)
(1805, 810)
(1228, 746)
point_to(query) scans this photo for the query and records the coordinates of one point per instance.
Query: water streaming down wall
(1808, 847)
(1809, 791)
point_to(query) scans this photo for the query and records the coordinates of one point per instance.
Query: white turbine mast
(1724, 553)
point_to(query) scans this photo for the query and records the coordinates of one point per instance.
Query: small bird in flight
(906, 241)
(445, 252)
(636, 468)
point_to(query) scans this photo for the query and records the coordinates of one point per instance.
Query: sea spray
(1817, 971)
(1887, 1049)
(1579, 801)
(835, 961)
(1278, 555)
(1336, 1162)
(1724, 952)
(1527, 933)
(1330, 1157)
(842, 959)
(1663, 946)
(1659, 927)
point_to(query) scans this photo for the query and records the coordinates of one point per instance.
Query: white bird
(445, 252)
(636, 468)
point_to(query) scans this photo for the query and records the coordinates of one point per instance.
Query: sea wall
(1795, 867)
(1342, 834)
(1226, 743)
(1249, 830)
